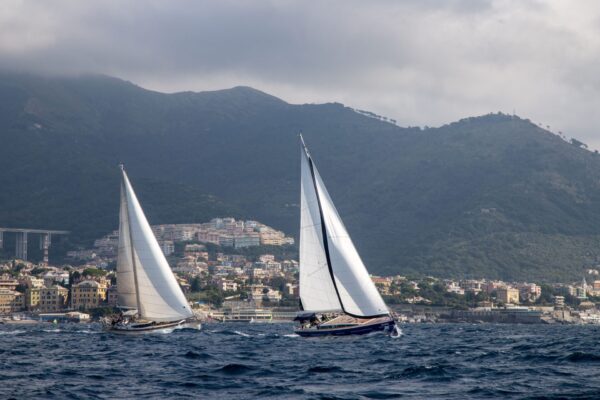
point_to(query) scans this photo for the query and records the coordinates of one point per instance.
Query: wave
(579, 356)
(86, 331)
(196, 356)
(16, 332)
(236, 361)
(423, 371)
(321, 369)
(234, 369)
(396, 333)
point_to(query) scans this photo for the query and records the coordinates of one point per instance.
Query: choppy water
(241, 361)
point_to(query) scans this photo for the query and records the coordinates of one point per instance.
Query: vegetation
(100, 312)
(494, 196)
(93, 272)
(210, 294)
(38, 271)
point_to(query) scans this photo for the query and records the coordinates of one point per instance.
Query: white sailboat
(146, 286)
(336, 292)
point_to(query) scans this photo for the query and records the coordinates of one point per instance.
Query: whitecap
(396, 333)
(86, 331)
(11, 332)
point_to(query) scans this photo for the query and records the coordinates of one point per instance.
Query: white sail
(354, 288)
(317, 292)
(159, 297)
(125, 278)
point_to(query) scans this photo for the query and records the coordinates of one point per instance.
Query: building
(271, 237)
(454, 287)
(32, 298)
(471, 286)
(167, 247)
(382, 283)
(10, 301)
(289, 266)
(258, 273)
(194, 249)
(272, 296)
(6, 282)
(246, 240)
(52, 299)
(508, 295)
(34, 282)
(581, 292)
(265, 258)
(225, 240)
(112, 296)
(292, 289)
(208, 236)
(529, 291)
(492, 286)
(559, 301)
(227, 285)
(87, 294)
(52, 277)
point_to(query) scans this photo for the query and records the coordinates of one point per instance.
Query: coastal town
(234, 270)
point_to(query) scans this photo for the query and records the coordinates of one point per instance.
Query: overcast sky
(422, 62)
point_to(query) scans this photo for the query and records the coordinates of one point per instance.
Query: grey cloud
(423, 62)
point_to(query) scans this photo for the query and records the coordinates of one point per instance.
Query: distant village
(226, 281)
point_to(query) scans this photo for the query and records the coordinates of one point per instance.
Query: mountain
(492, 196)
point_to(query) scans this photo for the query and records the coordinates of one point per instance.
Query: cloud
(422, 62)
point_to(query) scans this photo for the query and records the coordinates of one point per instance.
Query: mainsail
(332, 274)
(144, 279)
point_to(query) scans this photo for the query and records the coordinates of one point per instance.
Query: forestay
(159, 296)
(332, 261)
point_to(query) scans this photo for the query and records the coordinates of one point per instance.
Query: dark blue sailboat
(336, 291)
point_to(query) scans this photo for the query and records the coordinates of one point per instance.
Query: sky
(421, 62)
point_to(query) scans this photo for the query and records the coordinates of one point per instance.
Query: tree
(578, 143)
(38, 270)
(196, 284)
(75, 276)
(278, 283)
(94, 272)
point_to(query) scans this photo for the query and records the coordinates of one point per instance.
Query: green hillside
(493, 196)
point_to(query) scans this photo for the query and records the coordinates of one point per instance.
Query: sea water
(242, 361)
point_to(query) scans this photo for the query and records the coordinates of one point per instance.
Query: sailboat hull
(385, 325)
(139, 327)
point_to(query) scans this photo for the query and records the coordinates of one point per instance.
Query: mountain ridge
(483, 196)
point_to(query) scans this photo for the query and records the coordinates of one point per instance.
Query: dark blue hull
(387, 326)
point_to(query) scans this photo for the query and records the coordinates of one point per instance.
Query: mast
(317, 292)
(158, 295)
(323, 228)
(135, 278)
